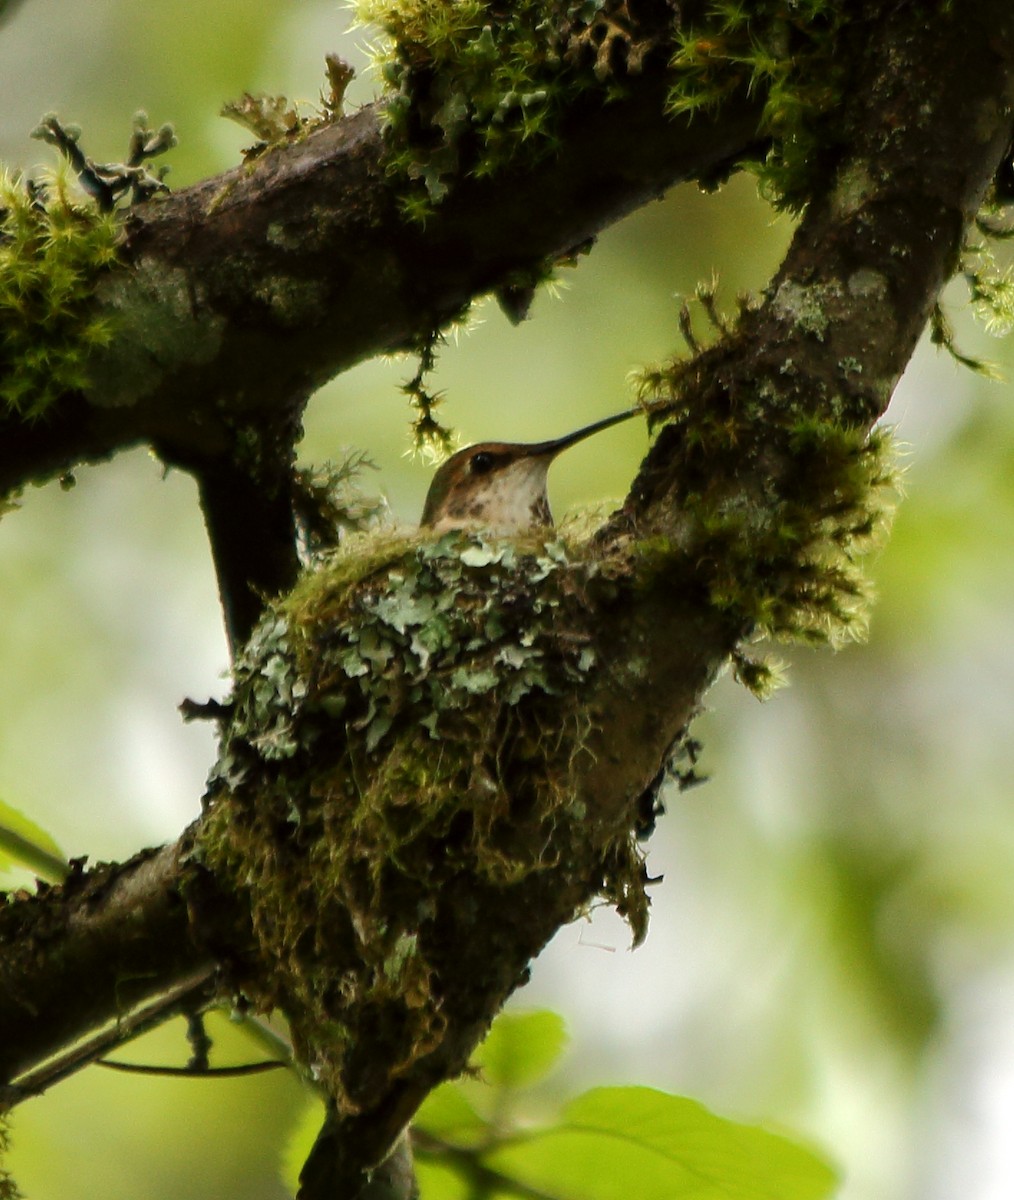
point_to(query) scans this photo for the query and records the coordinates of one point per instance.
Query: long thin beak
(552, 448)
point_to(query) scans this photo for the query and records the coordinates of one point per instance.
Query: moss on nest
(404, 739)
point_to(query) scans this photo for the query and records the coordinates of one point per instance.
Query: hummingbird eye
(481, 463)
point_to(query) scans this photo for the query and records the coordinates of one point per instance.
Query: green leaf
(442, 1181)
(447, 1115)
(616, 1142)
(521, 1048)
(25, 844)
(299, 1143)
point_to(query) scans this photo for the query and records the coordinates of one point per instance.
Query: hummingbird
(500, 486)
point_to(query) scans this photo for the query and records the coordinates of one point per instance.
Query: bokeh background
(832, 948)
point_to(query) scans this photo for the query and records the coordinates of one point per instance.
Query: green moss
(472, 86)
(403, 739)
(786, 51)
(990, 286)
(53, 251)
(777, 509)
(9, 1189)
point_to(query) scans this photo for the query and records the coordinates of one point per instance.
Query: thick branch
(82, 955)
(246, 292)
(930, 122)
(249, 517)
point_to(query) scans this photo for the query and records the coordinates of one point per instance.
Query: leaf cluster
(471, 1138)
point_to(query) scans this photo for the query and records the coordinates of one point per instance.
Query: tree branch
(243, 294)
(251, 527)
(88, 954)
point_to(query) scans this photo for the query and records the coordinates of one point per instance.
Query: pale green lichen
(806, 307)
(853, 187)
(868, 284)
(275, 120)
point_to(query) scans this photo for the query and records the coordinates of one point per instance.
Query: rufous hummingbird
(500, 486)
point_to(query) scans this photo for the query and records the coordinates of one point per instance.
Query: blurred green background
(832, 948)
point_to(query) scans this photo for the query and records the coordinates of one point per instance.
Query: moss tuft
(474, 85)
(777, 508)
(53, 249)
(786, 51)
(9, 1189)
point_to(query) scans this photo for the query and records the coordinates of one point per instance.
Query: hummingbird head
(500, 486)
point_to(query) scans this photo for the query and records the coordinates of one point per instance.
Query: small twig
(254, 1068)
(687, 329)
(47, 865)
(203, 710)
(200, 1042)
(181, 998)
